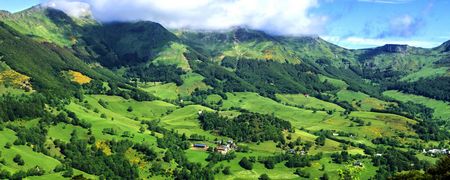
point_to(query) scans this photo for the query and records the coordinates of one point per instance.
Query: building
(223, 149)
(200, 146)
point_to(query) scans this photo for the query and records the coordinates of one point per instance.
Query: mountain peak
(394, 48)
(246, 34)
(444, 47)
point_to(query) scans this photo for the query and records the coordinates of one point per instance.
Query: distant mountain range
(114, 45)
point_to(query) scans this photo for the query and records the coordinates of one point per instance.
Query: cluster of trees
(431, 130)
(215, 157)
(393, 160)
(358, 121)
(173, 140)
(34, 171)
(387, 141)
(264, 77)
(35, 136)
(221, 79)
(408, 109)
(246, 127)
(298, 160)
(117, 89)
(441, 170)
(156, 73)
(292, 160)
(175, 145)
(344, 157)
(21, 107)
(271, 77)
(352, 76)
(68, 117)
(89, 159)
(436, 88)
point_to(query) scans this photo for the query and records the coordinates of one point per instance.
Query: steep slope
(46, 24)
(130, 43)
(401, 62)
(242, 43)
(112, 44)
(44, 62)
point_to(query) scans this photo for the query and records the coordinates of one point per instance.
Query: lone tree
(264, 177)
(130, 109)
(246, 164)
(18, 159)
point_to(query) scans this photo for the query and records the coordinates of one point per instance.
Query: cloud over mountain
(287, 17)
(403, 26)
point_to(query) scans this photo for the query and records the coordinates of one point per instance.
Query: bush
(246, 164)
(264, 177)
(18, 159)
(302, 173)
(226, 170)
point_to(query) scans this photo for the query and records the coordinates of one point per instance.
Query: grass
(426, 72)
(185, 120)
(145, 110)
(62, 132)
(335, 82)
(256, 103)
(307, 101)
(192, 81)
(116, 120)
(170, 91)
(279, 172)
(366, 102)
(173, 55)
(213, 99)
(265, 50)
(11, 90)
(30, 157)
(383, 124)
(441, 108)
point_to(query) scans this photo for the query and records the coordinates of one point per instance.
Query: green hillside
(132, 100)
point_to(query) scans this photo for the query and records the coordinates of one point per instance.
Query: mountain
(82, 99)
(444, 47)
(44, 62)
(247, 43)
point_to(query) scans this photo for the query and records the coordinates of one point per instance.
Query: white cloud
(403, 26)
(359, 42)
(283, 17)
(72, 8)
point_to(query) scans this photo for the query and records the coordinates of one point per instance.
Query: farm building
(201, 146)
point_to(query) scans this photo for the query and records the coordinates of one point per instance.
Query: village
(222, 147)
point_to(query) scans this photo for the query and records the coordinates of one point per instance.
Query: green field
(307, 102)
(426, 72)
(173, 55)
(170, 91)
(441, 108)
(360, 100)
(335, 82)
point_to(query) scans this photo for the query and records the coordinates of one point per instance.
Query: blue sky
(360, 24)
(348, 23)
(17, 5)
